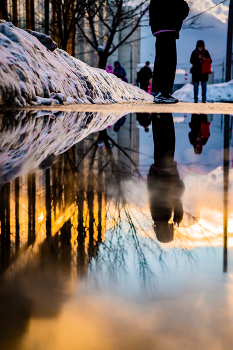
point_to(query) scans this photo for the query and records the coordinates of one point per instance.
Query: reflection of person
(199, 55)
(144, 76)
(163, 182)
(119, 124)
(166, 19)
(119, 71)
(144, 120)
(200, 132)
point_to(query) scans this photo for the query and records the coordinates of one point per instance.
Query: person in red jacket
(166, 19)
(199, 55)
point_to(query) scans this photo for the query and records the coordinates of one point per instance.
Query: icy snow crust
(215, 93)
(29, 138)
(32, 74)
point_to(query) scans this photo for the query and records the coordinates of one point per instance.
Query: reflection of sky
(211, 157)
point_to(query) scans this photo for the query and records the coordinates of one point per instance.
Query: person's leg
(195, 88)
(204, 90)
(165, 67)
(171, 63)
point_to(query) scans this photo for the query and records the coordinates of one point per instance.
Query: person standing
(119, 71)
(198, 57)
(166, 19)
(144, 75)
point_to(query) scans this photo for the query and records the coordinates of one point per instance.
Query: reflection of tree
(5, 226)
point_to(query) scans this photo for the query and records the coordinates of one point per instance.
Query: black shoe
(195, 101)
(203, 101)
(160, 98)
(174, 99)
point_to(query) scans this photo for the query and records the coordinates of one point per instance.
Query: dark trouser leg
(204, 90)
(144, 86)
(164, 138)
(195, 88)
(165, 63)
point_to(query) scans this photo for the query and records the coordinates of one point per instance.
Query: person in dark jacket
(119, 71)
(144, 76)
(163, 181)
(200, 132)
(197, 57)
(166, 19)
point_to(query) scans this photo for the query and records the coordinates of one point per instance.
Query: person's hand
(204, 58)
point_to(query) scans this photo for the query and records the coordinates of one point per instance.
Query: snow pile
(215, 93)
(33, 71)
(27, 139)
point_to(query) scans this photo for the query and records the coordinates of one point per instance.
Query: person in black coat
(166, 19)
(163, 181)
(144, 76)
(197, 57)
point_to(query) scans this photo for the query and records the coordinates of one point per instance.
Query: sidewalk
(143, 107)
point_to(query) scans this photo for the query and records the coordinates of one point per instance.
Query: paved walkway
(206, 108)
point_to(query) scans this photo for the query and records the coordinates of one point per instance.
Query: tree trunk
(3, 10)
(102, 60)
(15, 12)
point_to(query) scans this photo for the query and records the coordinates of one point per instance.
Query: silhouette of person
(200, 132)
(144, 120)
(163, 181)
(119, 124)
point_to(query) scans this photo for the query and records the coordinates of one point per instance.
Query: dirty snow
(215, 93)
(29, 138)
(34, 71)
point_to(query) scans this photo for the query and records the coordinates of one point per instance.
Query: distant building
(128, 54)
(38, 15)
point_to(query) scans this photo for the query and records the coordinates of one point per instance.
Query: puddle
(116, 231)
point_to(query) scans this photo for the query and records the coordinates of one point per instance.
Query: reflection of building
(128, 139)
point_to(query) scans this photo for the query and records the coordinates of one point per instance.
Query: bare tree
(111, 23)
(65, 15)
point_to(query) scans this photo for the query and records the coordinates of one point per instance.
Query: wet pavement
(116, 230)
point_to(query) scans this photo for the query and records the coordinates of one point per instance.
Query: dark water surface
(116, 231)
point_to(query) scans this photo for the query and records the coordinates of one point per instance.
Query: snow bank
(34, 71)
(215, 93)
(27, 139)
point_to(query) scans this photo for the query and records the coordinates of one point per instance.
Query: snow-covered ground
(34, 71)
(215, 93)
(29, 138)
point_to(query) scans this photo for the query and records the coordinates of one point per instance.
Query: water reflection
(226, 187)
(163, 181)
(91, 206)
(92, 189)
(200, 132)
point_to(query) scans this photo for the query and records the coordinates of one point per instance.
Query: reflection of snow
(31, 73)
(33, 137)
(215, 93)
